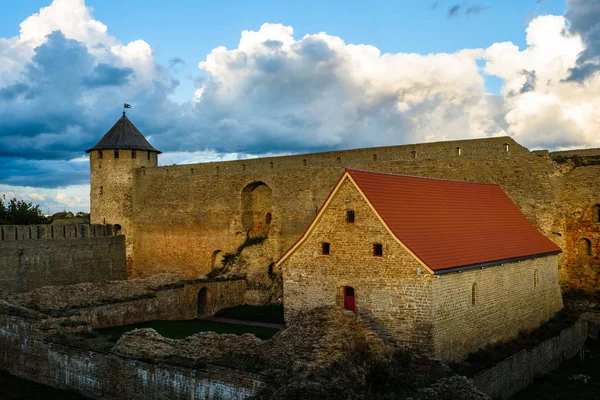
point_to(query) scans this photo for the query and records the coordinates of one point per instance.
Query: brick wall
(32, 256)
(507, 301)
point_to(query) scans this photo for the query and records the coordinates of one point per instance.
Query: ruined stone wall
(389, 294)
(580, 202)
(120, 303)
(32, 256)
(183, 214)
(23, 352)
(506, 299)
(519, 370)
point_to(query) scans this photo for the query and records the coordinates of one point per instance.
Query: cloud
(63, 80)
(584, 18)
(454, 11)
(475, 10)
(466, 9)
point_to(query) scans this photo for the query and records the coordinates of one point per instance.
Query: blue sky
(226, 80)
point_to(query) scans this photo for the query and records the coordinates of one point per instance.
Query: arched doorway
(349, 298)
(257, 209)
(585, 249)
(202, 296)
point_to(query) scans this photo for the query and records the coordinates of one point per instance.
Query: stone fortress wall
(32, 256)
(183, 218)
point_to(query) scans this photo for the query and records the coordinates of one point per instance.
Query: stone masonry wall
(183, 214)
(108, 376)
(39, 255)
(389, 294)
(508, 299)
(518, 371)
(134, 301)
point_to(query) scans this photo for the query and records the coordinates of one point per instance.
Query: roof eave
(493, 263)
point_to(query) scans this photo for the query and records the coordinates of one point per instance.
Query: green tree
(19, 212)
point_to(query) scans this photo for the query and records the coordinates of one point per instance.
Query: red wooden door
(349, 302)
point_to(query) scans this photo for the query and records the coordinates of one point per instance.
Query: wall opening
(350, 216)
(304, 162)
(474, 294)
(271, 164)
(536, 278)
(374, 157)
(101, 191)
(458, 151)
(271, 266)
(506, 147)
(202, 299)
(596, 213)
(217, 258)
(99, 153)
(257, 208)
(325, 248)
(349, 298)
(339, 160)
(117, 229)
(148, 157)
(133, 154)
(116, 153)
(377, 249)
(585, 248)
(413, 154)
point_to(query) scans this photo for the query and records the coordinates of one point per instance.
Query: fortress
(184, 218)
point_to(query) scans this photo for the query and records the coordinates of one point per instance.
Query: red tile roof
(450, 224)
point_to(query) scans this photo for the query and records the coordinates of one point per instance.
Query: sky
(225, 80)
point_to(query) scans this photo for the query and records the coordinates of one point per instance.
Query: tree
(18, 212)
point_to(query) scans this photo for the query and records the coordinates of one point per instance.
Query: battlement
(494, 147)
(48, 232)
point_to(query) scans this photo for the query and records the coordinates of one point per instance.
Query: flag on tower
(126, 105)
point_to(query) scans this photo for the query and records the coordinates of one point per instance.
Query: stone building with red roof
(436, 265)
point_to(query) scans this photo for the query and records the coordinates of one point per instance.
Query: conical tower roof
(123, 135)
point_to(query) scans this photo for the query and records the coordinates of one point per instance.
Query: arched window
(191, 171)
(596, 213)
(506, 147)
(474, 294)
(536, 278)
(101, 191)
(268, 218)
(304, 162)
(458, 151)
(117, 229)
(413, 154)
(585, 248)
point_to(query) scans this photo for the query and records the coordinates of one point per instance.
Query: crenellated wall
(32, 256)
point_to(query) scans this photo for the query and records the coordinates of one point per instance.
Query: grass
(183, 329)
(272, 313)
(560, 383)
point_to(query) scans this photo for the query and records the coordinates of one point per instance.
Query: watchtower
(113, 162)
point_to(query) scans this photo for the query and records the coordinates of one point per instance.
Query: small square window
(133, 154)
(325, 247)
(116, 153)
(377, 249)
(350, 216)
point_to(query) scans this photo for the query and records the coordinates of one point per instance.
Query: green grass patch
(183, 329)
(272, 313)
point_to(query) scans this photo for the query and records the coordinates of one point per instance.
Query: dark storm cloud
(584, 19)
(44, 174)
(106, 75)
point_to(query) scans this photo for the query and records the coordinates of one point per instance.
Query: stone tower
(114, 161)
